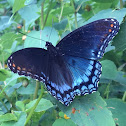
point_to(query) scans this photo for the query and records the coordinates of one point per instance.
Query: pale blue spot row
(53, 92)
(72, 95)
(61, 90)
(91, 62)
(77, 91)
(48, 87)
(65, 99)
(83, 88)
(53, 85)
(93, 79)
(77, 82)
(90, 86)
(67, 96)
(59, 96)
(96, 72)
(97, 65)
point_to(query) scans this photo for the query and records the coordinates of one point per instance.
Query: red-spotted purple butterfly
(72, 67)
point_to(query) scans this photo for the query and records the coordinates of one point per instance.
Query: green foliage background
(24, 101)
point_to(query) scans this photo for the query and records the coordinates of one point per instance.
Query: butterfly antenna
(31, 36)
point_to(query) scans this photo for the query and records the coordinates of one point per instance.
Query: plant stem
(75, 13)
(1, 66)
(121, 4)
(79, 6)
(34, 107)
(62, 5)
(13, 105)
(69, 24)
(47, 13)
(107, 91)
(36, 89)
(4, 105)
(124, 96)
(42, 15)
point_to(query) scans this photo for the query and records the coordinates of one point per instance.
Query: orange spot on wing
(112, 25)
(110, 30)
(24, 69)
(13, 65)
(18, 68)
(105, 35)
(29, 70)
(102, 40)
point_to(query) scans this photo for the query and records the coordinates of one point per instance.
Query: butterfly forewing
(91, 40)
(31, 62)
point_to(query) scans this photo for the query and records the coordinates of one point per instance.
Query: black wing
(91, 40)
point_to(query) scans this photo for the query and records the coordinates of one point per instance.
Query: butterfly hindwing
(91, 40)
(82, 78)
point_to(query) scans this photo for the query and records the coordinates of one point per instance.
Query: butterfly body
(72, 67)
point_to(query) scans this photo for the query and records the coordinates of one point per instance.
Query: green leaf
(109, 13)
(11, 2)
(4, 22)
(109, 70)
(20, 105)
(47, 34)
(63, 122)
(6, 42)
(7, 117)
(120, 40)
(88, 110)
(66, 11)
(42, 106)
(104, 1)
(49, 117)
(4, 74)
(118, 109)
(61, 25)
(29, 14)
(20, 122)
(18, 4)
(120, 77)
(28, 90)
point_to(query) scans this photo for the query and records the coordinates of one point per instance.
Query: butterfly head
(48, 44)
(51, 48)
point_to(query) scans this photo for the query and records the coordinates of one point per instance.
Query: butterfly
(71, 67)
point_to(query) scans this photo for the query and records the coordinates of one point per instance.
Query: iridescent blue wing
(91, 40)
(64, 76)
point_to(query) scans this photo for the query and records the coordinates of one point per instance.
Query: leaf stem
(13, 105)
(36, 89)
(75, 13)
(34, 107)
(62, 6)
(121, 4)
(48, 11)
(124, 96)
(4, 105)
(42, 15)
(107, 91)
